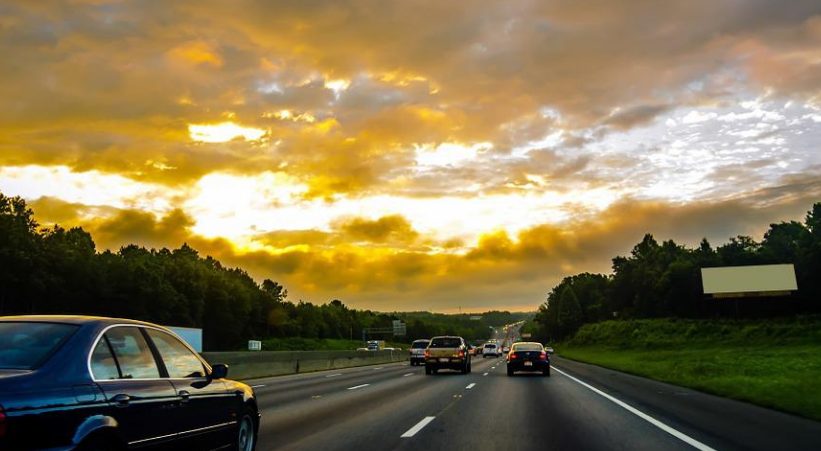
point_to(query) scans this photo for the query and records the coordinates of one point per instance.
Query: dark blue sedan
(87, 383)
(528, 356)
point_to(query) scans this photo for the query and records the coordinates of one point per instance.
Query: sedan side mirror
(219, 371)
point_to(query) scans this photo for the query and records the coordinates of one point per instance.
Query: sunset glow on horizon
(401, 157)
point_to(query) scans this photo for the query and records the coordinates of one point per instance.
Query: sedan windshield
(26, 345)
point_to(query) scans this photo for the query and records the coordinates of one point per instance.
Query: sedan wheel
(245, 436)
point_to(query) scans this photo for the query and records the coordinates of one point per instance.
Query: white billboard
(741, 280)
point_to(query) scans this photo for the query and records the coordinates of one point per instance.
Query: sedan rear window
(26, 345)
(445, 343)
(420, 344)
(528, 347)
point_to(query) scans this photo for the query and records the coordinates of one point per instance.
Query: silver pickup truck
(447, 353)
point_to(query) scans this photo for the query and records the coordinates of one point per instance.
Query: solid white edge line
(675, 433)
(334, 375)
(418, 427)
(470, 386)
(357, 386)
(257, 386)
(406, 375)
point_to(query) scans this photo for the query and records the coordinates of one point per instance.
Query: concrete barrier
(247, 365)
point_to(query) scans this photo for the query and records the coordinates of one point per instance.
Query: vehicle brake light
(427, 353)
(513, 355)
(543, 356)
(2, 422)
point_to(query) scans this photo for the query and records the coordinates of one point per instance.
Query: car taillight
(2, 422)
(513, 355)
(427, 353)
(543, 356)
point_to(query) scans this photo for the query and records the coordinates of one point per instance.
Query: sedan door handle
(184, 395)
(121, 400)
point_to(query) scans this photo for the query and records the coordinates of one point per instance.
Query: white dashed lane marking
(418, 427)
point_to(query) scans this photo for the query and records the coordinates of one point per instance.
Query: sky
(412, 155)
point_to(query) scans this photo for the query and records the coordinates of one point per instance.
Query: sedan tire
(99, 442)
(246, 433)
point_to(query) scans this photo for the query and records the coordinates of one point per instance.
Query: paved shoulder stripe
(675, 433)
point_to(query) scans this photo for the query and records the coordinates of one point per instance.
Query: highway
(581, 407)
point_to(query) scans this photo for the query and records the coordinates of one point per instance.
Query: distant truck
(375, 345)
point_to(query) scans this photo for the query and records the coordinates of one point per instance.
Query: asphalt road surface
(581, 407)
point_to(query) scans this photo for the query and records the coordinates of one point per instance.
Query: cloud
(378, 263)
(386, 228)
(114, 87)
(637, 115)
(430, 151)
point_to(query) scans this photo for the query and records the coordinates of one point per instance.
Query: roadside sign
(254, 345)
(399, 328)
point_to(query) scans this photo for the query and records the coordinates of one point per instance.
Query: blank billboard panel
(749, 279)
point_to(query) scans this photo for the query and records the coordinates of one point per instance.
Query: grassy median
(775, 364)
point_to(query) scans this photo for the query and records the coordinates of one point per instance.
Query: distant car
(548, 349)
(417, 351)
(447, 352)
(490, 350)
(89, 383)
(505, 349)
(528, 356)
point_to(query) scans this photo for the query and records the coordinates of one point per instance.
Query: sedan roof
(74, 319)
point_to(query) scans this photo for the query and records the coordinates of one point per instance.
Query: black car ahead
(528, 356)
(88, 383)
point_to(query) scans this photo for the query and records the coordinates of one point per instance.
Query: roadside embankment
(247, 364)
(773, 363)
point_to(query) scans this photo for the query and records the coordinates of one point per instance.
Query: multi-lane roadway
(581, 407)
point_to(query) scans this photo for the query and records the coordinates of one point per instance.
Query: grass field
(775, 364)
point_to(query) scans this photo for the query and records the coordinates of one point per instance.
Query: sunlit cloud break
(223, 132)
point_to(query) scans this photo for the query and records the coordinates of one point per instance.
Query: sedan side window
(103, 365)
(132, 353)
(179, 360)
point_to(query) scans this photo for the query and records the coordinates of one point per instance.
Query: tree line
(664, 280)
(59, 271)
